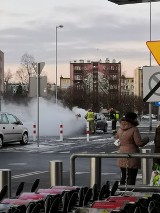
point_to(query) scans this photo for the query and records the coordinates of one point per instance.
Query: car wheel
(1, 142)
(105, 129)
(24, 140)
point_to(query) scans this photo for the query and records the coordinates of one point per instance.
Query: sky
(93, 30)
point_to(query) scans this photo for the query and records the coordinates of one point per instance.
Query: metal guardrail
(108, 155)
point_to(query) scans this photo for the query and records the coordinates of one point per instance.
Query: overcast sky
(93, 30)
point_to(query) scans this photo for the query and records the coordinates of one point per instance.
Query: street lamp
(60, 26)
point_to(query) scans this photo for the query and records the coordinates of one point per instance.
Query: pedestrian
(114, 120)
(90, 116)
(130, 141)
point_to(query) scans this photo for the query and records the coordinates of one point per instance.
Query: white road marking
(76, 138)
(28, 174)
(67, 152)
(80, 173)
(17, 164)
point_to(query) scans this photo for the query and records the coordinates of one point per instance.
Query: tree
(26, 69)
(19, 90)
(7, 76)
(22, 76)
(27, 63)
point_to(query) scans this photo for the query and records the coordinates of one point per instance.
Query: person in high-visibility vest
(117, 115)
(114, 115)
(90, 116)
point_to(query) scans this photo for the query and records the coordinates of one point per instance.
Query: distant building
(138, 82)
(64, 83)
(1, 71)
(97, 77)
(127, 85)
(12, 87)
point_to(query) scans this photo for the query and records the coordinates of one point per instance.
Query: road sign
(40, 67)
(154, 47)
(157, 103)
(42, 86)
(151, 83)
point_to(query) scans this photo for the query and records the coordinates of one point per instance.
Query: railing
(146, 169)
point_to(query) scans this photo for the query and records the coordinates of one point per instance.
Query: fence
(97, 172)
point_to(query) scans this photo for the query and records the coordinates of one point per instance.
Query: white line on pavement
(17, 164)
(28, 174)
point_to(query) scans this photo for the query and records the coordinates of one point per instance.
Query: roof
(121, 2)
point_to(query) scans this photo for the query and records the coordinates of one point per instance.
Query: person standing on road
(130, 141)
(90, 116)
(114, 116)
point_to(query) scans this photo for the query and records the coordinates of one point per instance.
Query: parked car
(12, 129)
(146, 117)
(101, 122)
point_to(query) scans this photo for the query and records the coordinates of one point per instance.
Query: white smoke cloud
(50, 117)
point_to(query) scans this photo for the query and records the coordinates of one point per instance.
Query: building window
(112, 67)
(113, 77)
(77, 68)
(78, 77)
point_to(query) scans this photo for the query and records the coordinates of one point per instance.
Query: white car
(12, 129)
(147, 116)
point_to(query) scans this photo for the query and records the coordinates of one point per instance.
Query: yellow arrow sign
(154, 47)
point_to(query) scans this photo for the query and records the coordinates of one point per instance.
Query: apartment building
(138, 82)
(64, 83)
(127, 85)
(97, 76)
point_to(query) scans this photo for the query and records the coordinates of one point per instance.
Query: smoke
(50, 117)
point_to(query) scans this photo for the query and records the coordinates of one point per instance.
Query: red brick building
(97, 77)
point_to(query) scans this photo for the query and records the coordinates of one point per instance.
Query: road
(30, 162)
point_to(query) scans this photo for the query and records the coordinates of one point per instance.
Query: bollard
(5, 179)
(87, 130)
(61, 131)
(34, 131)
(95, 172)
(146, 164)
(56, 173)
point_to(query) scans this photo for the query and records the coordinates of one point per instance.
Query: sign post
(40, 67)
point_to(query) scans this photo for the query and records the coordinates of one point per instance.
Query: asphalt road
(32, 161)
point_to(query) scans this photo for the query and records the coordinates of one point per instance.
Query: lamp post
(60, 26)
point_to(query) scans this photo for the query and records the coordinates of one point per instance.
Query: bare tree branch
(27, 64)
(7, 76)
(22, 76)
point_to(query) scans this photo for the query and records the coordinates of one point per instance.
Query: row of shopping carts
(79, 199)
